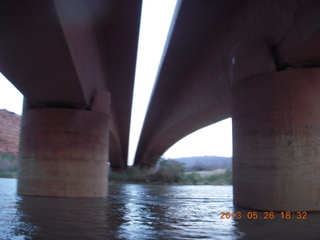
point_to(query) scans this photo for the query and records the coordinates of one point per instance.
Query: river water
(133, 211)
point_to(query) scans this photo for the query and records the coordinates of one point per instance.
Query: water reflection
(141, 212)
(57, 218)
(175, 212)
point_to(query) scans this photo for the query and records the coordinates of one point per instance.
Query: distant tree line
(169, 172)
(8, 166)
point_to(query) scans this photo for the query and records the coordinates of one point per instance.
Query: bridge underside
(257, 62)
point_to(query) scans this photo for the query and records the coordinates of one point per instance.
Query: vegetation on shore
(169, 172)
(8, 166)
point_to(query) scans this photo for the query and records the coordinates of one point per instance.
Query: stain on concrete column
(276, 141)
(63, 153)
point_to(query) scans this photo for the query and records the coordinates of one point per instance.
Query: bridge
(255, 61)
(75, 65)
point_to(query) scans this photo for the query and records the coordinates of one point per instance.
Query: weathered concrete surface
(193, 85)
(276, 125)
(255, 61)
(66, 57)
(60, 54)
(64, 153)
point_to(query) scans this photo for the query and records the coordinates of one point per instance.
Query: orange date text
(263, 215)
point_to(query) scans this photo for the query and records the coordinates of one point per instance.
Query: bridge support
(276, 132)
(63, 153)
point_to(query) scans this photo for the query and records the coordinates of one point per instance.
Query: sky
(156, 17)
(155, 23)
(10, 98)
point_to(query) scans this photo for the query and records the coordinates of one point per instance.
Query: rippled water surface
(142, 212)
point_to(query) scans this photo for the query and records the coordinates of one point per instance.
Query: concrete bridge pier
(64, 153)
(276, 132)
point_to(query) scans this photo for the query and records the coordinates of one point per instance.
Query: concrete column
(276, 141)
(63, 153)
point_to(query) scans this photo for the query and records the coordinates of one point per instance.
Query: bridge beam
(63, 153)
(276, 125)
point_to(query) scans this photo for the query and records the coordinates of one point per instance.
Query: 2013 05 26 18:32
(263, 215)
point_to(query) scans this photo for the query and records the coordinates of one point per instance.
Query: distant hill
(9, 143)
(9, 132)
(206, 163)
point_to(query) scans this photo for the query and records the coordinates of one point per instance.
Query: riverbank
(8, 166)
(169, 172)
(172, 172)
